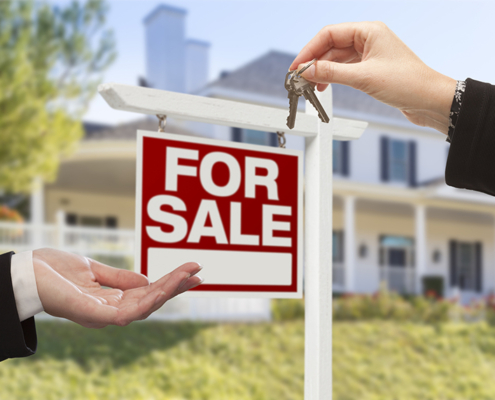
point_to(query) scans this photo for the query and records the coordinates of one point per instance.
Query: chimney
(197, 62)
(165, 50)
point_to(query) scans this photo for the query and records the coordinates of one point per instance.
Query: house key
(297, 86)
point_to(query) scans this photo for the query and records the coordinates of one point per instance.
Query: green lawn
(151, 360)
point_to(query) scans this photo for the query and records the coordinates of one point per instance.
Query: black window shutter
(341, 241)
(478, 266)
(111, 222)
(381, 251)
(453, 263)
(345, 146)
(71, 219)
(237, 134)
(412, 164)
(384, 162)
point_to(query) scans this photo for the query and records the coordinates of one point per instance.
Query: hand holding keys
(297, 86)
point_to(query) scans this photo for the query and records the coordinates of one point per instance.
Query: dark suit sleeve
(17, 339)
(471, 160)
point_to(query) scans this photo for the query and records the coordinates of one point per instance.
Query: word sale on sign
(234, 208)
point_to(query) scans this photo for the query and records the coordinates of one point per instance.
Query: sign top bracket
(219, 111)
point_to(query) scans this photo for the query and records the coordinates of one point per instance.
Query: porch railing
(76, 239)
(116, 247)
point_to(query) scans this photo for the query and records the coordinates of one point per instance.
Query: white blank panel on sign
(245, 267)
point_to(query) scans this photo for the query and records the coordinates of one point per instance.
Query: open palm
(95, 295)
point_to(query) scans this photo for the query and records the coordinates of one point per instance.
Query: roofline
(199, 42)
(163, 7)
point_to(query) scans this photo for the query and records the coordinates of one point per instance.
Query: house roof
(264, 75)
(127, 131)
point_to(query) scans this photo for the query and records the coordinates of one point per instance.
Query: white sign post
(318, 195)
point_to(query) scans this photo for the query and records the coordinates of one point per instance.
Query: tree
(51, 61)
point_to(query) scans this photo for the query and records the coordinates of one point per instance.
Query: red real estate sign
(233, 207)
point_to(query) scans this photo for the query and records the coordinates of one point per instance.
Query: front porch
(401, 236)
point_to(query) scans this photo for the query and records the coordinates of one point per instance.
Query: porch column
(349, 243)
(420, 244)
(37, 210)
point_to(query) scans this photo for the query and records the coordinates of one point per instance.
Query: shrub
(387, 305)
(287, 309)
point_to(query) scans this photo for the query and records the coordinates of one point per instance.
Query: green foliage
(433, 285)
(387, 305)
(372, 360)
(386, 360)
(287, 309)
(152, 360)
(51, 62)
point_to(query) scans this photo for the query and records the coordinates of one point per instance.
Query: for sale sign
(235, 208)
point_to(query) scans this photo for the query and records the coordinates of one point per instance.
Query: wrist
(440, 95)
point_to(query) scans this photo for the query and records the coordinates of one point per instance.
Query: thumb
(334, 72)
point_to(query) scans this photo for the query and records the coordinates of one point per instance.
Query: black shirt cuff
(471, 160)
(17, 339)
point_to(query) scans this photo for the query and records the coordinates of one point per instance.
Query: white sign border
(141, 134)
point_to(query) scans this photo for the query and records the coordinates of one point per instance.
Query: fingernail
(201, 280)
(159, 297)
(200, 267)
(310, 72)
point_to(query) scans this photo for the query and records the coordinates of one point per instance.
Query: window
(465, 265)
(396, 260)
(337, 246)
(71, 219)
(254, 137)
(340, 157)
(337, 156)
(396, 251)
(398, 161)
(91, 221)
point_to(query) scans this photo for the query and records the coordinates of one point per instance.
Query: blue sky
(453, 37)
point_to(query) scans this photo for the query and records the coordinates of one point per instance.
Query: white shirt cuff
(26, 295)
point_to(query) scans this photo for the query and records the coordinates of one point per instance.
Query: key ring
(307, 66)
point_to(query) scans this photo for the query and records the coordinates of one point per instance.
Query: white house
(395, 220)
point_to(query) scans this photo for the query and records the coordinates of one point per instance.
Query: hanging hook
(162, 121)
(281, 139)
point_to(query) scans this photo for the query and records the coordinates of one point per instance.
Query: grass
(151, 360)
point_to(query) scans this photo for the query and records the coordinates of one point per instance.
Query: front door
(397, 263)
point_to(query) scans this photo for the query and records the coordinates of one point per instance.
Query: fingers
(338, 36)
(192, 268)
(149, 303)
(192, 282)
(140, 302)
(325, 72)
(116, 277)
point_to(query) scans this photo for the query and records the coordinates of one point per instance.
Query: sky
(453, 37)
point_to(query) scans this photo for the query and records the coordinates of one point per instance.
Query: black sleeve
(17, 339)
(471, 160)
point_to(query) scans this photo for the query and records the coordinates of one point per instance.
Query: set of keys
(297, 86)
